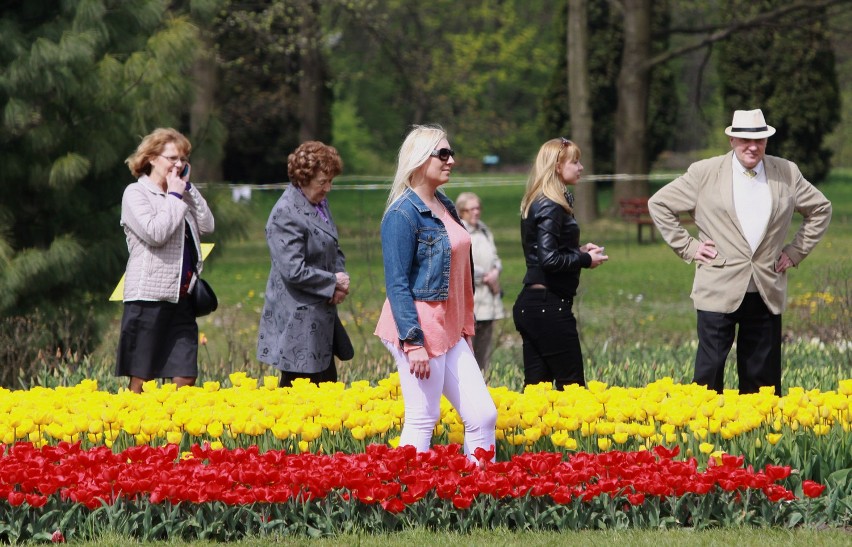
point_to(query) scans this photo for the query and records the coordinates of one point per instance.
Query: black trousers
(758, 346)
(327, 375)
(551, 342)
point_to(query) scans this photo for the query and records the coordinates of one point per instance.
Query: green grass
(636, 307)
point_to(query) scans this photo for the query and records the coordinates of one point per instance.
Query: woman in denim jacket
(554, 257)
(427, 319)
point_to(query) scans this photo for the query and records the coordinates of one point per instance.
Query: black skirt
(158, 340)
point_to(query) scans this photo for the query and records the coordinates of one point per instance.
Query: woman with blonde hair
(164, 216)
(551, 241)
(427, 319)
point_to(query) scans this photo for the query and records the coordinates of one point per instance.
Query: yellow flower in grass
(844, 387)
(304, 446)
(216, 445)
(174, 437)
(706, 448)
(604, 443)
(311, 431)
(821, 429)
(532, 434)
(394, 442)
(773, 438)
(456, 437)
(358, 433)
(518, 439)
(620, 438)
(215, 429)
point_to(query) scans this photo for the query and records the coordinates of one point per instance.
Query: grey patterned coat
(296, 326)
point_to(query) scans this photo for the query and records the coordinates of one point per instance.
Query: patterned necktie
(750, 173)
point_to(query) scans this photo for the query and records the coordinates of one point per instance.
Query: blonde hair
(152, 146)
(310, 159)
(414, 152)
(544, 179)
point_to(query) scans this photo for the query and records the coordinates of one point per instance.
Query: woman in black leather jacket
(554, 257)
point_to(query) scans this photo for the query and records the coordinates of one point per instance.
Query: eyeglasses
(443, 154)
(174, 159)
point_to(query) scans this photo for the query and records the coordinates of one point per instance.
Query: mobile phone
(185, 171)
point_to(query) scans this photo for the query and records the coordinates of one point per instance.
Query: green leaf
(68, 170)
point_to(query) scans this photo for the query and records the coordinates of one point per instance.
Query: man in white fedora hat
(743, 204)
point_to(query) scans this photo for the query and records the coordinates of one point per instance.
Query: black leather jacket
(551, 241)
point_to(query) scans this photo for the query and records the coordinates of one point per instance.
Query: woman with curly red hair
(308, 277)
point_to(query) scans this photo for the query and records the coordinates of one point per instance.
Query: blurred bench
(635, 211)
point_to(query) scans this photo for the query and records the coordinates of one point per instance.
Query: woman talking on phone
(164, 217)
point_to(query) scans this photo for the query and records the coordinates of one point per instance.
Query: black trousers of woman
(551, 342)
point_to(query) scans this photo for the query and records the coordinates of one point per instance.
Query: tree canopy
(80, 83)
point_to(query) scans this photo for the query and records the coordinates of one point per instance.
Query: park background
(644, 88)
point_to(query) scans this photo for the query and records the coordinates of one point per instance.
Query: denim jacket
(416, 255)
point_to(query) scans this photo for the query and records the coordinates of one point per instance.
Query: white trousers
(455, 375)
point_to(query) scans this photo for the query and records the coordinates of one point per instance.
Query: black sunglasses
(443, 154)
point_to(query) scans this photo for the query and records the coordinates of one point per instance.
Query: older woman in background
(487, 296)
(164, 217)
(308, 277)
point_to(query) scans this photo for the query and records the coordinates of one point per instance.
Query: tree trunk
(207, 142)
(312, 78)
(631, 117)
(585, 206)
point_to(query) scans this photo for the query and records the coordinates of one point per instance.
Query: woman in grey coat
(307, 279)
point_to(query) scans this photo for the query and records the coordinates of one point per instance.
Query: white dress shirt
(753, 203)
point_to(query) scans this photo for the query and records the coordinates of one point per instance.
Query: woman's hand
(418, 361)
(338, 297)
(174, 182)
(597, 253)
(492, 280)
(342, 282)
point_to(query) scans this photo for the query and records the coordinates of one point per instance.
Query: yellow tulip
(773, 438)
(358, 433)
(604, 443)
(620, 438)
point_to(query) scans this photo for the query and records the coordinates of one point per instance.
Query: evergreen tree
(787, 70)
(80, 83)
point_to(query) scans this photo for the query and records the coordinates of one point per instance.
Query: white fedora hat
(749, 124)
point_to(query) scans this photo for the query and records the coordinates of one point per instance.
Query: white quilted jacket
(153, 223)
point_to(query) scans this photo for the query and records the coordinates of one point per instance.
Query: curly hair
(310, 159)
(152, 145)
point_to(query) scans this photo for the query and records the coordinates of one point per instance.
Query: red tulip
(636, 499)
(812, 489)
(393, 505)
(16, 499)
(462, 502)
(57, 537)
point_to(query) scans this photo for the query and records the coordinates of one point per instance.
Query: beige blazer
(705, 191)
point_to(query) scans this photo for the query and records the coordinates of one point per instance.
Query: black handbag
(204, 300)
(341, 345)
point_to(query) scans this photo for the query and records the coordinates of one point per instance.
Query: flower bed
(222, 462)
(159, 492)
